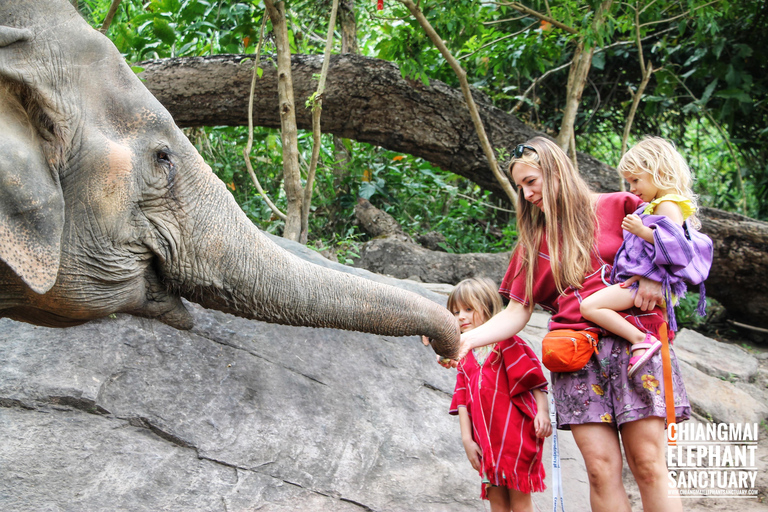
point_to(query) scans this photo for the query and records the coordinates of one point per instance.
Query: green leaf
(367, 190)
(736, 94)
(598, 61)
(163, 31)
(708, 92)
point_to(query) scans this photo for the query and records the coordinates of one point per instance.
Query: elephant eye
(163, 157)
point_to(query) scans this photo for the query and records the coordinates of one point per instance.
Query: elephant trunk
(248, 275)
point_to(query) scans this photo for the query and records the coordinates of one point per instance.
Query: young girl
(659, 243)
(502, 407)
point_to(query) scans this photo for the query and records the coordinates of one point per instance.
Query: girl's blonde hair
(567, 217)
(479, 293)
(660, 159)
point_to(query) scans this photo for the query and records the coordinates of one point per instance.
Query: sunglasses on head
(520, 148)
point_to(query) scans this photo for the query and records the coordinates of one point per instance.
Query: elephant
(107, 207)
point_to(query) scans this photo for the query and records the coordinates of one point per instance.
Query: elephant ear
(31, 200)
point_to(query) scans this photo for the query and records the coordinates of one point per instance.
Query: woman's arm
(500, 327)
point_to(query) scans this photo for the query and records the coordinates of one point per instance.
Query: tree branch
(526, 10)
(249, 144)
(110, 15)
(462, 75)
(673, 18)
(315, 102)
(289, 130)
(491, 43)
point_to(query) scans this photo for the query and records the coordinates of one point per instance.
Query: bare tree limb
(577, 79)
(292, 182)
(315, 102)
(646, 72)
(249, 144)
(462, 75)
(110, 15)
(673, 18)
(491, 43)
(531, 12)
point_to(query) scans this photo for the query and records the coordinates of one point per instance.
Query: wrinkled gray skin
(107, 207)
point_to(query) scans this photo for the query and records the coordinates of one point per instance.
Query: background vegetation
(706, 92)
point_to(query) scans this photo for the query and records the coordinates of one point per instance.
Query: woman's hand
(648, 294)
(474, 453)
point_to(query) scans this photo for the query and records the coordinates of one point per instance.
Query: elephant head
(107, 207)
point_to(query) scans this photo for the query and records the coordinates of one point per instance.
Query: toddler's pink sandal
(652, 345)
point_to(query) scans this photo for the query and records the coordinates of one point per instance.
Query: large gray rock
(266, 415)
(714, 358)
(397, 258)
(130, 414)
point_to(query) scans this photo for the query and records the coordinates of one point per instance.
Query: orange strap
(669, 396)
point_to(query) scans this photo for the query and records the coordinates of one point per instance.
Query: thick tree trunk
(368, 100)
(365, 99)
(740, 270)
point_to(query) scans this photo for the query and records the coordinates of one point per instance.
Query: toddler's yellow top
(685, 204)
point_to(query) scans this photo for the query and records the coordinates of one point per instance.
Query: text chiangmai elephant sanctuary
(107, 207)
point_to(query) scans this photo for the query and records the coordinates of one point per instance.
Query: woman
(599, 401)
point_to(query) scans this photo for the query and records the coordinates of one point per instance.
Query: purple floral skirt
(602, 392)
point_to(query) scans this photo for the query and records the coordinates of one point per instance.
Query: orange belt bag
(566, 350)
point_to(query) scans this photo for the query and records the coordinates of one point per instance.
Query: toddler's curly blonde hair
(668, 170)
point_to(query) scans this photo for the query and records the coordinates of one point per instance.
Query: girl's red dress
(501, 406)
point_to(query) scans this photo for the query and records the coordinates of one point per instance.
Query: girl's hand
(541, 423)
(450, 363)
(474, 454)
(632, 223)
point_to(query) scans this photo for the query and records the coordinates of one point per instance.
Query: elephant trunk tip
(446, 343)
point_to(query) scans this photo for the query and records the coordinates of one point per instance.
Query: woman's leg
(644, 444)
(602, 308)
(599, 445)
(499, 498)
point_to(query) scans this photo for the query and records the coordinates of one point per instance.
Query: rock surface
(397, 258)
(130, 414)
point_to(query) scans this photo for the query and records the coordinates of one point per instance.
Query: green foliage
(178, 28)
(708, 95)
(424, 198)
(420, 196)
(708, 56)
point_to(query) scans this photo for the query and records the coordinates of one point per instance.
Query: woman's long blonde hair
(479, 293)
(659, 158)
(567, 217)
